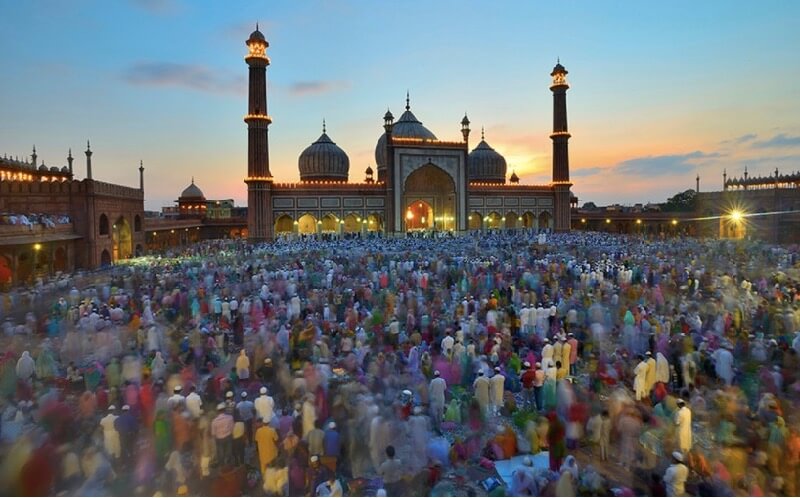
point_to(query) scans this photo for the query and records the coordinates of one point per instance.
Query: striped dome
(323, 160)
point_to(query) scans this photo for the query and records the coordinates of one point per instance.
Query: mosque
(421, 183)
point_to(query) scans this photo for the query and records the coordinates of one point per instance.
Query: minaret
(88, 161)
(560, 138)
(34, 156)
(725, 179)
(69, 161)
(697, 180)
(465, 129)
(259, 178)
(141, 175)
(393, 223)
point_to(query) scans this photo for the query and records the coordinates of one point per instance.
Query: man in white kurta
(640, 381)
(436, 390)
(676, 475)
(498, 381)
(662, 368)
(110, 434)
(683, 420)
(481, 387)
(547, 352)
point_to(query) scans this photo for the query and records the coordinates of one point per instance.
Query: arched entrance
(60, 260)
(283, 224)
(352, 223)
(307, 224)
(527, 219)
(329, 224)
(419, 216)
(429, 193)
(475, 220)
(374, 223)
(121, 236)
(105, 258)
(493, 221)
(545, 220)
(511, 220)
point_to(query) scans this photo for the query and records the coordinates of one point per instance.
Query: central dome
(486, 164)
(408, 126)
(323, 160)
(192, 192)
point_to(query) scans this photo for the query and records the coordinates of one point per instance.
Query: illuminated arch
(307, 224)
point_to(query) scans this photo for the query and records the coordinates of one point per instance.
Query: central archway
(121, 236)
(429, 193)
(419, 216)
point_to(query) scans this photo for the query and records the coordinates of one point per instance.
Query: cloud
(663, 165)
(188, 76)
(318, 87)
(160, 7)
(780, 140)
(748, 137)
(583, 172)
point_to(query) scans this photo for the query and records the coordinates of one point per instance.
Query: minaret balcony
(257, 117)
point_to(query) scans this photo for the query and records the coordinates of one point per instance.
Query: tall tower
(560, 137)
(259, 178)
(88, 161)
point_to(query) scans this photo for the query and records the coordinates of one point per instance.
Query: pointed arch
(475, 220)
(307, 224)
(511, 220)
(528, 219)
(284, 224)
(545, 220)
(103, 224)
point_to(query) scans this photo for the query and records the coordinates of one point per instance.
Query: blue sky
(660, 91)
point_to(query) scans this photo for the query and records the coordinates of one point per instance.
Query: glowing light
(37, 246)
(608, 220)
(409, 215)
(736, 216)
(583, 220)
(638, 222)
(674, 222)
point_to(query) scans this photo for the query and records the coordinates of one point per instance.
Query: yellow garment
(266, 440)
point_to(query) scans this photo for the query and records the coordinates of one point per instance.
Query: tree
(681, 202)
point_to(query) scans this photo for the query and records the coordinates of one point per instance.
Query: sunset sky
(660, 91)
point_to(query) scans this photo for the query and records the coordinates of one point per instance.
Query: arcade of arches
(308, 224)
(509, 221)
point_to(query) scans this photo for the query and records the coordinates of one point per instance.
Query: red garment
(37, 476)
(147, 399)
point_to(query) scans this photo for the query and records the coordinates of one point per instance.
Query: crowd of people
(29, 220)
(490, 364)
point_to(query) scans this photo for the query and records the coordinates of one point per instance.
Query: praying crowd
(504, 364)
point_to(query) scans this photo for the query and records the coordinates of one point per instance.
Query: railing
(35, 229)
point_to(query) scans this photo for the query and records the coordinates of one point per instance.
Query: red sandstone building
(51, 222)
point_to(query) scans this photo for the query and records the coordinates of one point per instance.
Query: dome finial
(192, 180)
(408, 101)
(256, 25)
(483, 134)
(323, 126)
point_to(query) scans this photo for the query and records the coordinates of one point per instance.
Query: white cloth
(683, 419)
(265, 407)
(675, 479)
